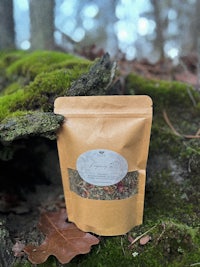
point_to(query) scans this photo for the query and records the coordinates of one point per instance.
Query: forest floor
(170, 233)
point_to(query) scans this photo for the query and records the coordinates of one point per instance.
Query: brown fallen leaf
(144, 240)
(63, 240)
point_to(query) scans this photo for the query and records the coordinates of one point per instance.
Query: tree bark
(42, 24)
(7, 33)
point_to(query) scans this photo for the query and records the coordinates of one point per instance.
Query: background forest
(155, 50)
(132, 28)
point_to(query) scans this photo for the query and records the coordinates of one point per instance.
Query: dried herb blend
(103, 148)
(125, 188)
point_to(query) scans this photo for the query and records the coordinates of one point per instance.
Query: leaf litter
(63, 240)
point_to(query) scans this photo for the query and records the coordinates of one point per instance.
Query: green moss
(111, 250)
(72, 63)
(166, 196)
(163, 93)
(36, 62)
(180, 103)
(172, 190)
(7, 58)
(51, 262)
(34, 80)
(11, 88)
(172, 244)
(41, 93)
(7, 101)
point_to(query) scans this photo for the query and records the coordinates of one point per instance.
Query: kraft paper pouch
(103, 149)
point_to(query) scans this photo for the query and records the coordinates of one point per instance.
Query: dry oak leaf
(63, 240)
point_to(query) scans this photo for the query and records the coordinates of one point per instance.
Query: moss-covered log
(34, 80)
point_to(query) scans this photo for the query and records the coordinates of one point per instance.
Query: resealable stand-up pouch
(103, 148)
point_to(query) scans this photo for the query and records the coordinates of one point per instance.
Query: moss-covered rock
(34, 80)
(39, 73)
(31, 82)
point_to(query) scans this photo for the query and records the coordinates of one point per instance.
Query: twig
(169, 123)
(197, 135)
(99, 248)
(198, 63)
(138, 238)
(122, 246)
(198, 132)
(191, 136)
(164, 227)
(195, 264)
(191, 97)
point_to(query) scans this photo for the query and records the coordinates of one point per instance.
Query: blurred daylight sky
(128, 27)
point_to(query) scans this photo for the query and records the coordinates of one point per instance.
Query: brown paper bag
(103, 148)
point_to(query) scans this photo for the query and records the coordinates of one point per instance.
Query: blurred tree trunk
(103, 36)
(106, 20)
(7, 33)
(196, 38)
(159, 42)
(112, 41)
(42, 24)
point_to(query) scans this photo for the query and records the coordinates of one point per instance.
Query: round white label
(101, 167)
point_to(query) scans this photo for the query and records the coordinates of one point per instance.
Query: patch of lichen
(39, 123)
